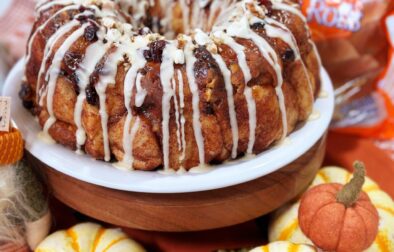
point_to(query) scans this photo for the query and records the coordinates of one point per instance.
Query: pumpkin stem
(350, 192)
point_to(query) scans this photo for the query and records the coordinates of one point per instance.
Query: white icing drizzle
(45, 138)
(250, 102)
(61, 31)
(108, 77)
(128, 138)
(248, 93)
(239, 50)
(190, 61)
(177, 115)
(166, 21)
(281, 32)
(323, 94)
(197, 16)
(183, 120)
(203, 39)
(241, 28)
(280, 5)
(50, 4)
(287, 36)
(93, 55)
(214, 10)
(171, 54)
(139, 9)
(166, 73)
(201, 169)
(41, 27)
(138, 61)
(141, 92)
(48, 51)
(314, 116)
(54, 71)
(230, 100)
(186, 13)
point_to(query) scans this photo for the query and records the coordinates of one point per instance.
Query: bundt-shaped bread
(226, 78)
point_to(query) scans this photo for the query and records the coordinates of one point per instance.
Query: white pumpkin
(88, 237)
(283, 246)
(284, 225)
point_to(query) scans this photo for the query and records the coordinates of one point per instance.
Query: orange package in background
(355, 39)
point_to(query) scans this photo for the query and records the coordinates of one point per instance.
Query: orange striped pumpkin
(88, 237)
(11, 147)
(284, 246)
(284, 225)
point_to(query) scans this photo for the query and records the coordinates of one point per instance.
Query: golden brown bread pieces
(215, 121)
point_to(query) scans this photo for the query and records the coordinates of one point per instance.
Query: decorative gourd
(283, 246)
(88, 237)
(11, 146)
(284, 225)
(339, 217)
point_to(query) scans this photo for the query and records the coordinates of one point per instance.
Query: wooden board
(187, 211)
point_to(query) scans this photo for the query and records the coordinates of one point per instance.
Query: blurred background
(16, 19)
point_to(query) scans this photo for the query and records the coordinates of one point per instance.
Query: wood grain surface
(186, 211)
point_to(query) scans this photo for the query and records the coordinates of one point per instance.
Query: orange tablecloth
(342, 150)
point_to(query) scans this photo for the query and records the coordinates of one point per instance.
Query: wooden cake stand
(187, 211)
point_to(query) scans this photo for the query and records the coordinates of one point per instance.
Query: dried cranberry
(82, 8)
(28, 104)
(85, 18)
(208, 109)
(74, 80)
(155, 51)
(91, 33)
(25, 91)
(26, 95)
(202, 53)
(288, 55)
(205, 62)
(258, 26)
(91, 95)
(95, 76)
(72, 59)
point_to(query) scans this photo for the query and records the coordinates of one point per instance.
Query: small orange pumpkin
(339, 217)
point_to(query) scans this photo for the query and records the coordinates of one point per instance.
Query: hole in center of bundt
(176, 19)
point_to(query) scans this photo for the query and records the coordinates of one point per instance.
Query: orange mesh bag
(11, 147)
(350, 37)
(355, 43)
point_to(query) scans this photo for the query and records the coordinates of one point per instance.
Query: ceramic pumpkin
(285, 225)
(283, 246)
(89, 237)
